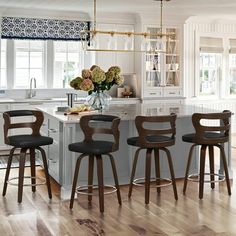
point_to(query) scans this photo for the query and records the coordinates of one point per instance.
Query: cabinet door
(53, 149)
(162, 64)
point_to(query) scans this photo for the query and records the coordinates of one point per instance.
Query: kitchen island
(65, 129)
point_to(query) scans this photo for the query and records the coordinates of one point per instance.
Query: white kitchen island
(65, 129)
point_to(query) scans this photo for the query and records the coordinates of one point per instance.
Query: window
(29, 62)
(3, 64)
(67, 63)
(53, 63)
(210, 66)
(209, 73)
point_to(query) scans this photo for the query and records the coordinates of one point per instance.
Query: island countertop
(129, 111)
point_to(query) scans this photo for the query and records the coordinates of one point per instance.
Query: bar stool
(25, 142)
(208, 136)
(96, 149)
(153, 139)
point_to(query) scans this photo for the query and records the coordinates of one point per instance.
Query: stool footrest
(43, 181)
(192, 176)
(82, 188)
(169, 182)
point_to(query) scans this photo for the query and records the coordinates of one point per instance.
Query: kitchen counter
(66, 129)
(64, 99)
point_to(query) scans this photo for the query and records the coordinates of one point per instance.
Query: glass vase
(98, 100)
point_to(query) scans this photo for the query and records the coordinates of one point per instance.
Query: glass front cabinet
(162, 65)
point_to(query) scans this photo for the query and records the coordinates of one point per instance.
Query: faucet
(32, 93)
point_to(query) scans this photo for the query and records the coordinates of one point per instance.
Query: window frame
(48, 64)
(223, 87)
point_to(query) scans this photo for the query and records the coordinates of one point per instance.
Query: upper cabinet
(162, 68)
(107, 59)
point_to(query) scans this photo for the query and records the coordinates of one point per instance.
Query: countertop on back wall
(63, 99)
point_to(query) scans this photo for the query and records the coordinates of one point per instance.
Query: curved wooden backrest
(145, 132)
(89, 131)
(223, 127)
(35, 125)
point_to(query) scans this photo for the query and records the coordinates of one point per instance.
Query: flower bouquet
(95, 81)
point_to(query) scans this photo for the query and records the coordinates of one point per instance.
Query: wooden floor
(214, 215)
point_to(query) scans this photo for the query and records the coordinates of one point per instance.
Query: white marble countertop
(62, 99)
(130, 111)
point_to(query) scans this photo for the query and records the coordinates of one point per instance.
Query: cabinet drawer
(172, 92)
(153, 93)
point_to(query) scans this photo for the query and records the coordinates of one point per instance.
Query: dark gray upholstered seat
(158, 138)
(29, 141)
(93, 147)
(191, 138)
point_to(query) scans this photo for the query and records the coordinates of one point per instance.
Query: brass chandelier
(93, 45)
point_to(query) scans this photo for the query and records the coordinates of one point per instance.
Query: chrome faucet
(32, 93)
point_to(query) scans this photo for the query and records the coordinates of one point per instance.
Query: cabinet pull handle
(52, 130)
(172, 92)
(153, 93)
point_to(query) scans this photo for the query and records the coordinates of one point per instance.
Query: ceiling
(176, 7)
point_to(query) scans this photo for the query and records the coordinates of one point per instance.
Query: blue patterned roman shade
(45, 29)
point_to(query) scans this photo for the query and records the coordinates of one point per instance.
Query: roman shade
(210, 44)
(43, 29)
(232, 46)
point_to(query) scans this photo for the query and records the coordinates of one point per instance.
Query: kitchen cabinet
(162, 63)
(53, 149)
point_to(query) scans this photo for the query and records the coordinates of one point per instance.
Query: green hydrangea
(75, 83)
(115, 70)
(109, 76)
(119, 80)
(98, 75)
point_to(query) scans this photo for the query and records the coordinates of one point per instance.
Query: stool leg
(21, 173)
(212, 168)
(46, 171)
(113, 165)
(171, 172)
(90, 176)
(187, 168)
(8, 171)
(76, 174)
(32, 167)
(100, 182)
(202, 170)
(133, 172)
(157, 167)
(147, 175)
(225, 168)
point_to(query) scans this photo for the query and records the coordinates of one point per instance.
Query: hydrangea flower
(87, 85)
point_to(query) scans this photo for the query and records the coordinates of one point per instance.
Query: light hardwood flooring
(37, 215)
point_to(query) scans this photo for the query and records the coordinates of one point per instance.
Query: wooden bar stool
(208, 136)
(25, 142)
(96, 149)
(153, 139)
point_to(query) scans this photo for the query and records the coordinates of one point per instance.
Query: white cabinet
(53, 149)
(161, 72)
(108, 59)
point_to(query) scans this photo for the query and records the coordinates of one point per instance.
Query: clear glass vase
(98, 100)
